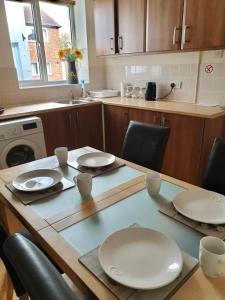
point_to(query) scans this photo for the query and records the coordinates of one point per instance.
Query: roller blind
(71, 2)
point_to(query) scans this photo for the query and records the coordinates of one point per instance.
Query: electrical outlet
(178, 84)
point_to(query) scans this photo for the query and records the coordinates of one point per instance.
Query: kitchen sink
(76, 101)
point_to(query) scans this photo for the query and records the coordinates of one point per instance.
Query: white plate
(201, 205)
(140, 258)
(96, 159)
(37, 180)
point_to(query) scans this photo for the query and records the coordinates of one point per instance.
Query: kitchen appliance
(21, 141)
(150, 94)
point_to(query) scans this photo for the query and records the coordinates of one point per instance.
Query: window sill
(64, 84)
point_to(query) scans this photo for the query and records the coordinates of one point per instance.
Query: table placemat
(206, 229)
(27, 197)
(91, 262)
(98, 171)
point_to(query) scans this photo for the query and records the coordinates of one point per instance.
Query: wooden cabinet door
(104, 20)
(89, 130)
(183, 150)
(131, 25)
(56, 130)
(146, 116)
(204, 24)
(164, 25)
(116, 123)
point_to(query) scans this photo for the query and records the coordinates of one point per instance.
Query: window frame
(49, 70)
(42, 62)
(38, 70)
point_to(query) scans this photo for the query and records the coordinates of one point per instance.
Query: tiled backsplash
(201, 83)
(212, 83)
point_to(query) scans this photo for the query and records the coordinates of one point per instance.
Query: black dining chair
(17, 284)
(144, 144)
(38, 275)
(214, 177)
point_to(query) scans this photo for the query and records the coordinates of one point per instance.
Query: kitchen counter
(168, 107)
(161, 106)
(33, 109)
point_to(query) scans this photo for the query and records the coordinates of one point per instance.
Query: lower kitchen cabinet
(73, 128)
(188, 146)
(55, 125)
(116, 123)
(183, 150)
(89, 127)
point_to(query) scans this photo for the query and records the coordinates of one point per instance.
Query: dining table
(67, 226)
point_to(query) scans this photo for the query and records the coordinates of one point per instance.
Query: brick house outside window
(52, 44)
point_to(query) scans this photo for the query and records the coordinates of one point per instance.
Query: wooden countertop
(161, 106)
(168, 107)
(36, 108)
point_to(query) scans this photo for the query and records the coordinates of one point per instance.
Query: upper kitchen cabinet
(164, 25)
(204, 24)
(120, 26)
(185, 24)
(131, 26)
(104, 19)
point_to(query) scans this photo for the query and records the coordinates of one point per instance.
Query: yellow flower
(61, 54)
(66, 52)
(78, 53)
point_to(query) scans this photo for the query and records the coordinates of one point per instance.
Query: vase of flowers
(71, 56)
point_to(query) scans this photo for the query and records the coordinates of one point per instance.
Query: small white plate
(140, 258)
(201, 205)
(96, 159)
(37, 180)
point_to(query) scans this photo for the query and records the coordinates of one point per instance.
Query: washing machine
(21, 141)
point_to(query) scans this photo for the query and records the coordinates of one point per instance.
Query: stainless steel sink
(76, 101)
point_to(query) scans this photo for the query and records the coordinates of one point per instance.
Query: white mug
(62, 155)
(84, 184)
(153, 183)
(212, 256)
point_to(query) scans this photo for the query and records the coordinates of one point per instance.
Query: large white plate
(201, 205)
(140, 258)
(96, 159)
(37, 180)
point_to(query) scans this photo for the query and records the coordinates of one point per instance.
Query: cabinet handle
(154, 119)
(174, 35)
(184, 40)
(112, 44)
(163, 121)
(70, 121)
(77, 117)
(120, 42)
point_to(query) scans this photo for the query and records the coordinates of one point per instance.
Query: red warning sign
(209, 69)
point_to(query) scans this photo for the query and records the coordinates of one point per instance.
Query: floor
(6, 291)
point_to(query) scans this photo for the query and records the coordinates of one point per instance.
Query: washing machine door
(19, 152)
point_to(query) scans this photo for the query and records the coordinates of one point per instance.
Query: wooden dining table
(67, 226)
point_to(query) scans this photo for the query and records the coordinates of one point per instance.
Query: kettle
(150, 94)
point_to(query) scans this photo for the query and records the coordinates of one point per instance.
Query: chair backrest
(214, 178)
(38, 275)
(17, 285)
(145, 144)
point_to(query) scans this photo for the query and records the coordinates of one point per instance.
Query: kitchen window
(38, 29)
